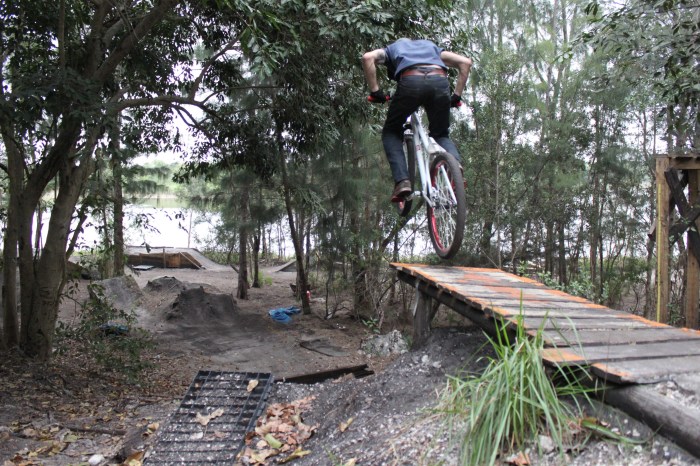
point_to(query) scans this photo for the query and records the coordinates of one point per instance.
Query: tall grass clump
(513, 401)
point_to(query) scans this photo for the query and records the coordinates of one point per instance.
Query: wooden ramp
(616, 346)
(626, 352)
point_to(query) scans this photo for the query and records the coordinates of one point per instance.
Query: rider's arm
(463, 64)
(370, 60)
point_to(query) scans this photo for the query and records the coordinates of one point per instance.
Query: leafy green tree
(655, 43)
(69, 71)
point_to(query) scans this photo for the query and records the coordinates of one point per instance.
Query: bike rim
(443, 214)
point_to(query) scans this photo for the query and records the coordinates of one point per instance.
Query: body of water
(157, 226)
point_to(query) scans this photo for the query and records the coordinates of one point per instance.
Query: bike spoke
(447, 210)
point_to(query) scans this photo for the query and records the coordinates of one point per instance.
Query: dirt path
(251, 340)
(68, 413)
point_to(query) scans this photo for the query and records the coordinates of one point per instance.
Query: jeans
(433, 94)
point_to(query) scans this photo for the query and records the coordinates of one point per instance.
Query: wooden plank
(541, 304)
(533, 323)
(480, 291)
(645, 370)
(194, 262)
(593, 354)
(316, 377)
(492, 308)
(463, 275)
(685, 164)
(615, 336)
(544, 311)
(662, 247)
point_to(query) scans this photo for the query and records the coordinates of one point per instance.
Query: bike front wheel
(447, 206)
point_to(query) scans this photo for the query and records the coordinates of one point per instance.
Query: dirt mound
(184, 303)
(120, 292)
(172, 284)
(198, 318)
(198, 305)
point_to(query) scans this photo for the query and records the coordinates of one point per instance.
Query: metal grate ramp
(210, 425)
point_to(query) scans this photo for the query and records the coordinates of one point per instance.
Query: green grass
(513, 401)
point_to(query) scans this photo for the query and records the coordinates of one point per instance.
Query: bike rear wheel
(409, 150)
(447, 209)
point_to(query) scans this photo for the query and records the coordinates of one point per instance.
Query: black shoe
(401, 190)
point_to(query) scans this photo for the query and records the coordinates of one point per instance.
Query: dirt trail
(69, 414)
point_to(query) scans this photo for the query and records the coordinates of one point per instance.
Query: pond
(158, 227)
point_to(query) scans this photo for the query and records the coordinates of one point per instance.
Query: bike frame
(425, 147)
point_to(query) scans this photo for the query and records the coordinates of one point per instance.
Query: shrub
(107, 336)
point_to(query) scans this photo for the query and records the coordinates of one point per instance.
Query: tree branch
(208, 64)
(139, 31)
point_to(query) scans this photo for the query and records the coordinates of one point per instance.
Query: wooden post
(692, 285)
(662, 246)
(421, 318)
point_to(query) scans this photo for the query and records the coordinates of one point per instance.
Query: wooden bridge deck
(616, 346)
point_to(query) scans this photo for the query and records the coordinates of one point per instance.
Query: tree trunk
(15, 169)
(44, 284)
(549, 248)
(302, 280)
(118, 234)
(561, 259)
(243, 246)
(9, 292)
(256, 258)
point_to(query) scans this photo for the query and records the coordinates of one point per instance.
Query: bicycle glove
(378, 97)
(455, 101)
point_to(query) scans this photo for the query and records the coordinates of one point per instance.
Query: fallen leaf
(134, 459)
(298, 453)
(518, 459)
(153, 426)
(258, 457)
(350, 462)
(151, 429)
(252, 384)
(344, 425)
(204, 419)
(272, 441)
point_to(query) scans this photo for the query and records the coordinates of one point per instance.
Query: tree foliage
(655, 42)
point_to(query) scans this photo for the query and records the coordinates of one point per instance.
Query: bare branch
(208, 64)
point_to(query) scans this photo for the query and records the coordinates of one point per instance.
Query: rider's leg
(404, 102)
(438, 110)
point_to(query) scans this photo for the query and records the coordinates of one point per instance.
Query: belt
(423, 71)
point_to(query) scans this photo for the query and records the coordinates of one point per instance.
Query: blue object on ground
(282, 314)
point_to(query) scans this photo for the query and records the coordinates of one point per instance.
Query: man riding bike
(420, 68)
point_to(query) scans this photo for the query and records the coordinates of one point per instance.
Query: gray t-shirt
(405, 53)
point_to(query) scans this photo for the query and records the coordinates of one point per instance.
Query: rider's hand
(378, 97)
(455, 101)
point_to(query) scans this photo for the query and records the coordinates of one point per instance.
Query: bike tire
(447, 216)
(409, 150)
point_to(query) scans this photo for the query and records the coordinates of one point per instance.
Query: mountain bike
(441, 187)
